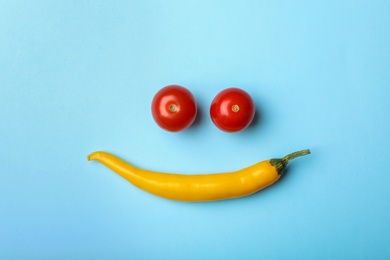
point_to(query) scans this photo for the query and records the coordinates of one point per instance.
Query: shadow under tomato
(257, 119)
(199, 118)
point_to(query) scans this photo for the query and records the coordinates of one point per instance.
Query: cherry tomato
(174, 108)
(232, 110)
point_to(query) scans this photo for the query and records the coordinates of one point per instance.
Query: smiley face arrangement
(174, 109)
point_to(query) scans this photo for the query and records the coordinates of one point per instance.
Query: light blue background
(79, 76)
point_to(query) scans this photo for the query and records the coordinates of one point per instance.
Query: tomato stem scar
(173, 107)
(235, 108)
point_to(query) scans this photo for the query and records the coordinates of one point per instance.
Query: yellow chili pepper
(200, 187)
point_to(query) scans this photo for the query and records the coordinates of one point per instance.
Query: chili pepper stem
(286, 159)
(280, 164)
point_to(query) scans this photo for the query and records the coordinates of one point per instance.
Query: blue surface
(79, 76)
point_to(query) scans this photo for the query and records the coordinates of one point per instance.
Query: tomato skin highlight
(232, 110)
(174, 108)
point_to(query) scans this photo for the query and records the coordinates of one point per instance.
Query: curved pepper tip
(93, 156)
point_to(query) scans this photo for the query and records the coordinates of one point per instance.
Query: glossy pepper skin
(199, 187)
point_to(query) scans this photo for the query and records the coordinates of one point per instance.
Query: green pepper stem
(286, 159)
(280, 164)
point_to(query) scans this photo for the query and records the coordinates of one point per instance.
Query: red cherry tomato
(174, 108)
(232, 110)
